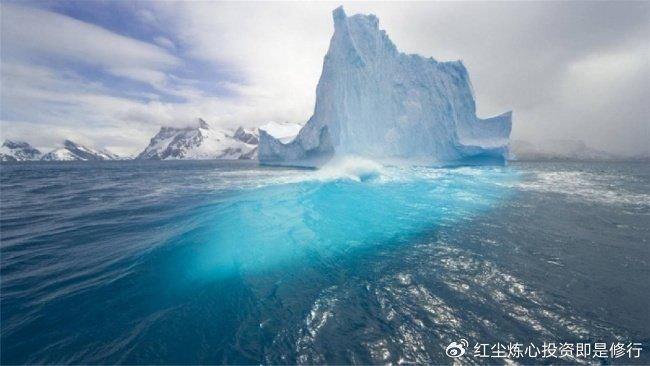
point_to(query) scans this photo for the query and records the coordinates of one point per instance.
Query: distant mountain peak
(69, 143)
(15, 144)
(14, 150)
(203, 124)
(211, 142)
(200, 142)
(249, 136)
(74, 151)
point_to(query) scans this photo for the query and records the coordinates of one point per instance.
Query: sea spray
(350, 167)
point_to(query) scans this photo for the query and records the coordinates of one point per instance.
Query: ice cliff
(375, 102)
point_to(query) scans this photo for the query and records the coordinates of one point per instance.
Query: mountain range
(72, 151)
(205, 142)
(198, 142)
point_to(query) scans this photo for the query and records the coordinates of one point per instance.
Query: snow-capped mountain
(72, 151)
(247, 135)
(374, 101)
(18, 151)
(201, 142)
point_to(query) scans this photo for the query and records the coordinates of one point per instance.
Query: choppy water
(229, 262)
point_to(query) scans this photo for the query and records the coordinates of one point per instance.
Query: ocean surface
(229, 262)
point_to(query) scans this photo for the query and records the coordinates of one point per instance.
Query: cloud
(277, 50)
(52, 77)
(164, 42)
(43, 34)
(48, 107)
(153, 77)
(610, 92)
(520, 56)
(67, 48)
(574, 70)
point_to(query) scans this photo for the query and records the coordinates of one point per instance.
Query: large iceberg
(373, 101)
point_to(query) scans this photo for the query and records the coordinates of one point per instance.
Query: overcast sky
(109, 74)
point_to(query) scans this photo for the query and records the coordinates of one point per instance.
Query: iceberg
(375, 102)
(283, 131)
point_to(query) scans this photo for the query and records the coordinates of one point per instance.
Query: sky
(110, 73)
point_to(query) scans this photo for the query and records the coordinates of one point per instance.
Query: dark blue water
(228, 262)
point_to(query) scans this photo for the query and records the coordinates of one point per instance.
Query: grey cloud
(577, 70)
(524, 55)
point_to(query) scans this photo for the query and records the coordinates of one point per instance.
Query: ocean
(212, 262)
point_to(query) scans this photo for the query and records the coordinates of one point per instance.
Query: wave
(350, 167)
(584, 186)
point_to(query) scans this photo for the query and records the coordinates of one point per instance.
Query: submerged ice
(375, 102)
(349, 204)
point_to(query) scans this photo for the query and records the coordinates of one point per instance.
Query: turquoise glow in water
(351, 205)
(229, 262)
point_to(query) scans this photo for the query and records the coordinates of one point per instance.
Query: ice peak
(374, 101)
(13, 144)
(69, 143)
(339, 16)
(203, 124)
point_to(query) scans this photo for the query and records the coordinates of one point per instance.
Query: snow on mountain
(247, 135)
(373, 101)
(61, 154)
(201, 142)
(18, 151)
(72, 151)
